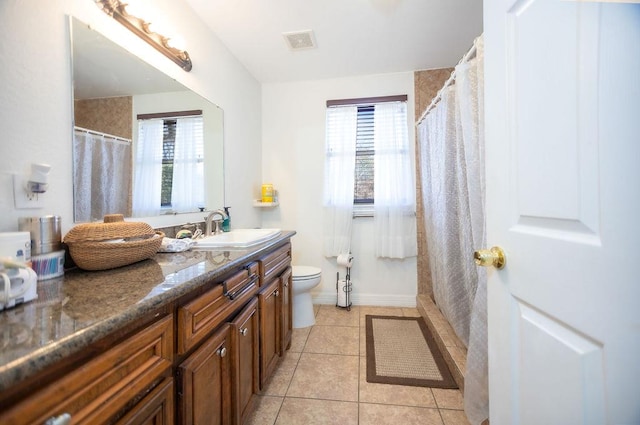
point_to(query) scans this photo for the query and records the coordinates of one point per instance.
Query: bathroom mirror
(114, 91)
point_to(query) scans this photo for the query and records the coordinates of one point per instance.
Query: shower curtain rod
(97, 133)
(467, 56)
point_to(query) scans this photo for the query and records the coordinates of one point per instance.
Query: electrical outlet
(23, 199)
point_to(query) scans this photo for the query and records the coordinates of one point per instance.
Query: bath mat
(402, 351)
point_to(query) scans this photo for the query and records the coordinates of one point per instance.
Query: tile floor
(322, 380)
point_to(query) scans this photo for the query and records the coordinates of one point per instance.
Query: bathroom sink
(237, 238)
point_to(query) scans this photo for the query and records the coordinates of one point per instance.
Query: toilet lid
(305, 272)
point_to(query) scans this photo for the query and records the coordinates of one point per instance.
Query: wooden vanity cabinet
(245, 361)
(204, 390)
(286, 308)
(128, 383)
(270, 326)
(199, 317)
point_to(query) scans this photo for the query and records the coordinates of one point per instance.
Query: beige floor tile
(299, 411)
(330, 315)
(299, 339)
(281, 378)
(448, 399)
(265, 411)
(454, 417)
(392, 394)
(333, 340)
(325, 376)
(410, 312)
(377, 414)
(363, 341)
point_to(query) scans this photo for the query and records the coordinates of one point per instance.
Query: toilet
(305, 278)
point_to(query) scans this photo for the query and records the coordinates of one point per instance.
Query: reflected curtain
(187, 190)
(147, 182)
(339, 176)
(394, 191)
(452, 158)
(101, 175)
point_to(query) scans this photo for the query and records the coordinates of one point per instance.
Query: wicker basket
(103, 246)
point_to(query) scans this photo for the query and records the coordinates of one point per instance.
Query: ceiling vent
(299, 40)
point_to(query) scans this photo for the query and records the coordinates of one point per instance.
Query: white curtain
(452, 158)
(394, 190)
(147, 182)
(187, 191)
(339, 175)
(101, 175)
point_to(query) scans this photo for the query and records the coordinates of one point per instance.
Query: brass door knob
(490, 257)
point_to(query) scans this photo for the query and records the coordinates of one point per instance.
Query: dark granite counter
(80, 308)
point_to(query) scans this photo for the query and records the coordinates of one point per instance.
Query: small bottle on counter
(226, 223)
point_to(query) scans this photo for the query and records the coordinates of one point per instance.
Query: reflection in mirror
(143, 144)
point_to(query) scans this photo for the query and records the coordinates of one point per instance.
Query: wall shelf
(259, 204)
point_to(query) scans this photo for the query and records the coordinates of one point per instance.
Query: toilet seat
(305, 272)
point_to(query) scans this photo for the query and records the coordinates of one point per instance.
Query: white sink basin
(237, 238)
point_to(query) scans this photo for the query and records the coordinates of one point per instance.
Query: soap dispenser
(226, 223)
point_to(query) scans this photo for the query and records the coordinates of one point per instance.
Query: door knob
(490, 257)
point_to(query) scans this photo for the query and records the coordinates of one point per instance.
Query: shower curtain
(451, 138)
(101, 175)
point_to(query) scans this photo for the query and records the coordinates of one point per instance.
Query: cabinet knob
(276, 293)
(244, 331)
(222, 352)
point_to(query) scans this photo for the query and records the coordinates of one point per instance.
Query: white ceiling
(353, 37)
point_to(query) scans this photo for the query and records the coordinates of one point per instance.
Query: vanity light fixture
(117, 10)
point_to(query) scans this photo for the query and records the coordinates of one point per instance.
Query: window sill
(363, 210)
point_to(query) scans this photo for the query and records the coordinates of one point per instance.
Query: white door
(562, 89)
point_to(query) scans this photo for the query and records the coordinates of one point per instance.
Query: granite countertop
(80, 308)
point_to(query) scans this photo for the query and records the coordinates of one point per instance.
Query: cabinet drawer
(202, 315)
(105, 386)
(274, 263)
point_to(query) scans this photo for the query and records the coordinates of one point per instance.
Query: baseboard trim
(368, 299)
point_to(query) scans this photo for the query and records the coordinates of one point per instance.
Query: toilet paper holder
(344, 286)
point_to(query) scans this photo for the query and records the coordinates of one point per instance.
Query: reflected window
(169, 165)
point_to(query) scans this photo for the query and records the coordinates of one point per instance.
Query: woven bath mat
(402, 351)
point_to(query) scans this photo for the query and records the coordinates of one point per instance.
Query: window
(169, 166)
(363, 190)
(368, 172)
(364, 177)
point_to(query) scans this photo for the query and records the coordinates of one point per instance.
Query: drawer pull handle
(222, 352)
(276, 293)
(233, 295)
(244, 331)
(64, 419)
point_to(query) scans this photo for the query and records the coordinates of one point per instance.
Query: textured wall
(110, 115)
(36, 110)
(293, 139)
(426, 86)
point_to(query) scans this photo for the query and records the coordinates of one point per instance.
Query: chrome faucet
(213, 227)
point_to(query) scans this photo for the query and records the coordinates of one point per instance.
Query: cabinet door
(286, 285)
(157, 407)
(204, 395)
(246, 367)
(269, 307)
